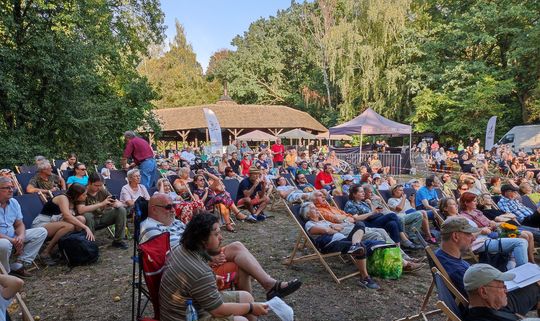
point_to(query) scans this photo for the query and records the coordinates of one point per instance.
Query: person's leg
(361, 265)
(246, 201)
(90, 221)
(5, 252)
(357, 233)
(425, 225)
(411, 222)
(528, 236)
(116, 216)
(55, 230)
(33, 240)
(389, 224)
(263, 202)
(523, 300)
(532, 220)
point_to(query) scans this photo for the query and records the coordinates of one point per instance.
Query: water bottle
(191, 313)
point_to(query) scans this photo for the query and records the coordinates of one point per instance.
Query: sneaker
(411, 246)
(21, 273)
(120, 245)
(47, 260)
(368, 283)
(251, 219)
(261, 217)
(431, 240)
(357, 250)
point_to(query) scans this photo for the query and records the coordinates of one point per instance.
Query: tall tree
(178, 77)
(68, 75)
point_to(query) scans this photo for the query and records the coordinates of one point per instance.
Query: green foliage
(68, 79)
(178, 77)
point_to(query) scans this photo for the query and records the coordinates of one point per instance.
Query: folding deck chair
(449, 295)
(304, 238)
(23, 179)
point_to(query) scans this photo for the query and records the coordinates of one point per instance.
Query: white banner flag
(490, 133)
(214, 130)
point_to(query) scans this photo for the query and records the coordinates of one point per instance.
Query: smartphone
(113, 197)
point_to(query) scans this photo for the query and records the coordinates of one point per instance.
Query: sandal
(281, 292)
(240, 216)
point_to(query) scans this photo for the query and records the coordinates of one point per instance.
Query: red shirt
(279, 151)
(138, 149)
(246, 164)
(322, 176)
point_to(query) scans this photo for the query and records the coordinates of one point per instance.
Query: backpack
(77, 249)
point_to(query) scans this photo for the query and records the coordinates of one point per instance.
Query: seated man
(187, 276)
(290, 193)
(233, 257)
(252, 192)
(14, 235)
(487, 294)
(426, 197)
(101, 210)
(457, 236)
(509, 203)
(303, 184)
(44, 180)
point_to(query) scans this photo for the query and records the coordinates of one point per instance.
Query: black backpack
(77, 249)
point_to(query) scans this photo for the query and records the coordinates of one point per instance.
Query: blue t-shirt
(424, 194)
(8, 216)
(245, 185)
(74, 179)
(455, 267)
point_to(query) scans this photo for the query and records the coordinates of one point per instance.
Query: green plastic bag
(386, 263)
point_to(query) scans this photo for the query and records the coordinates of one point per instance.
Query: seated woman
(69, 164)
(133, 189)
(59, 216)
(485, 204)
(516, 246)
(495, 185)
(468, 205)
(106, 170)
(230, 174)
(164, 187)
(440, 159)
(223, 163)
(372, 215)
(245, 164)
(332, 160)
(181, 184)
(525, 188)
(342, 237)
(80, 177)
(376, 165)
(216, 195)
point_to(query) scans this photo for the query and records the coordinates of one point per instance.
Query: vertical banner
(214, 130)
(490, 132)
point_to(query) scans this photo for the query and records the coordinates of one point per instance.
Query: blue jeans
(148, 172)
(516, 246)
(292, 170)
(390, 223)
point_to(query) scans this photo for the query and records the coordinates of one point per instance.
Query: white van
(525, 137)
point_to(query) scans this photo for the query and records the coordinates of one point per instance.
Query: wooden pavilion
(188, 124)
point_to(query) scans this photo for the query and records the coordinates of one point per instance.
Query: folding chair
(119, 175)
(58, 162)
(340, 201)
(311, 179)
(448, 294)
(447, 311)
(30, 169)
(24, 179)
(385, 195)
(231, 186)
(304, 238)
(114, 186)
(31, 206)
(528, 202)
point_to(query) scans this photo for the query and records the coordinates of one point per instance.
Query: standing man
(232, 148)
(143, 156)
(187, 276)
(278, 150)
(14, 237)
(234, 163)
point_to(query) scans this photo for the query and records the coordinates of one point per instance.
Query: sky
(210, 25)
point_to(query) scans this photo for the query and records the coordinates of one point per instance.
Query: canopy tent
(297, 134)
(257, 136)
(371, 123)
(325, 135)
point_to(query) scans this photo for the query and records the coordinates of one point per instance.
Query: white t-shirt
(323, 224)
(393, 202)
(128, 194)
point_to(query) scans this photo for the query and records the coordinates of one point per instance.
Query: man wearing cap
(487, 293)
(509, 203)
(251, 193)
(457, 234)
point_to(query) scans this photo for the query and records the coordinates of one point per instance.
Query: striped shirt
(187, 276)
(151, 228)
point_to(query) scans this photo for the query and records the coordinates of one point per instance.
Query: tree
(178, 77)
(68, 77)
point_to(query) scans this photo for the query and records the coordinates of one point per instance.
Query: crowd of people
(188, 198)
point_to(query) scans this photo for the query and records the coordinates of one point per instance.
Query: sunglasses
(81, 169)
(168, 207)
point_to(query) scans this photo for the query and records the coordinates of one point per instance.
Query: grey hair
(132, 172)
(44, 164)
(304, 210)
(130, 134)
(39, 158)
(5, 180)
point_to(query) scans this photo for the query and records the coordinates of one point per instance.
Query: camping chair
(448, 294)
(30, 169)
(447, 311)
(528, 202)
(311, 179)
(304, 238)
(148, 258)
(385, 195)
(31, 206)
(114, 186)
(119, 175)
(340, 201)
(23, 179)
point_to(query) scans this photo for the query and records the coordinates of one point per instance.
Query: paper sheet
(526, 274)
(281, 309)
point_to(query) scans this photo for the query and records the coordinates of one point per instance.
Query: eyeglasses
(81, 169)
(168, 207)
(7, 188)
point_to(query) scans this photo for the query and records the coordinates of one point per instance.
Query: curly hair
(198, 231)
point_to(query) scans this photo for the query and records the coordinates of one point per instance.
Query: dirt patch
(88, 293)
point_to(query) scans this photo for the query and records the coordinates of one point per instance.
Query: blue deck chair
(311, 179)
(24, 179)
(31, 206)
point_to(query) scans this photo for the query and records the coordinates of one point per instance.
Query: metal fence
(387, 159)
